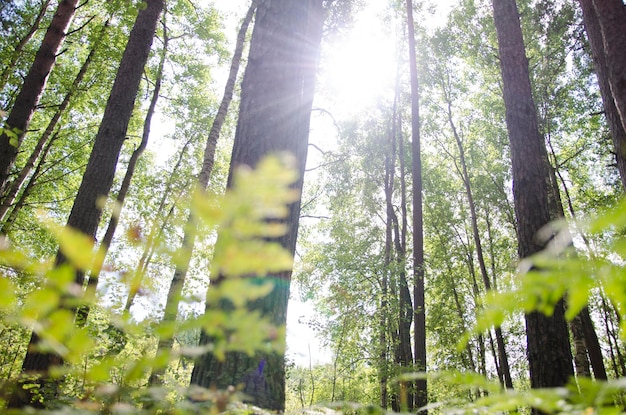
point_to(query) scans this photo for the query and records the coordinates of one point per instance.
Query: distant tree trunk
(593, 345)
(419, 312)
(189, 237)
(502, 360)
(384, 323)
(15, 54)
(98, 177)
(612, 17)
(586, 345)
(16, 184)
(581, 361)
(548, 349)
(404, 354)
(156, 229)
(32, 88)
(274, 116)
(618, 133)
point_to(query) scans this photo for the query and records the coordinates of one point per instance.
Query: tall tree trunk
(404, 355)
(15, 53)
(16, 184)
(618, 133)
(548, 348)
(32, 88)
(419, 313)
(384, 300)
(189, 238)
(274, 116)
(92, 283)
(612, 17)
(98, 177)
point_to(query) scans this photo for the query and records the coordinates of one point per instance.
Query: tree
(419, 316)
(17, 183)
(612, 17)
(180, 273)
(98, 176)
(274, 114)
(618, 132)
(548, 348)
(26, 102)
(15, 53)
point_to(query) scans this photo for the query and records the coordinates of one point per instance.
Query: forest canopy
(439, 184)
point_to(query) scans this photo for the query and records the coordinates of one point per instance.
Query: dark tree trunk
(548, 349)
(419, 313)
(593, 345)
(594, 35)
(612, 17)
(33, 86)
(274, 115)
(98, 177)
(83, 312)
(189, 237)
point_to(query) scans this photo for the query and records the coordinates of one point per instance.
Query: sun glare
(361, 67)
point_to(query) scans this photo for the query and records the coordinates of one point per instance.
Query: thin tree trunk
(32, 88)
(405, 306)
(586, 345)
(618, 133)
(384, 301)
(156, 231)
(15, 54)
(502, 355)
(15, 185)
(189, 237)
(549, 352)
(419, 312)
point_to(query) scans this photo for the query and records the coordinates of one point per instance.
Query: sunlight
(359, 68)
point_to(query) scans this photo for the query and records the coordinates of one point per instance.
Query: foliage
(107, 361)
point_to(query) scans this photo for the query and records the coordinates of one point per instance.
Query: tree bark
(33, 87)
(419, 313)
(98, 177)
(618, 133)
(612, 17)
(274, 116)
(548, 348)
(90, 292)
